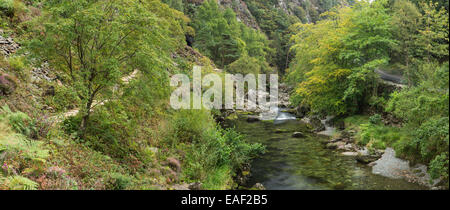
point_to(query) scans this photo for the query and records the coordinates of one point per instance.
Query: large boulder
(366, 159)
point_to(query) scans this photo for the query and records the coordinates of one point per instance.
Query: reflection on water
(292, 163)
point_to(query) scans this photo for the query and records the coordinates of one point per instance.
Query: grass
(376, 136)
(219, 179)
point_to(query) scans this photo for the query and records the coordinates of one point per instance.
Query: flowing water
(303, 163)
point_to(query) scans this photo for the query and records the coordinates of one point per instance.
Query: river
(303, 163)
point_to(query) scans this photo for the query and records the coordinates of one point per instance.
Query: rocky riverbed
(297, 158)
(314, 152)
(383, 162)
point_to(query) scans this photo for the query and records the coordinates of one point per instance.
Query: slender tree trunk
(85, 119)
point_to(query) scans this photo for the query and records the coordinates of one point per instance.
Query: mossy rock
(279, 130)
(233, 116)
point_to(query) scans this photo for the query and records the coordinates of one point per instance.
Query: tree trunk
(85, 119)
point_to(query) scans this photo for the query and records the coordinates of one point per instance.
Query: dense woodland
(84, 94)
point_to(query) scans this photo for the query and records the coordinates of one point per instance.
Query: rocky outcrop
(8, 46)
(242, 13)
(42, 73)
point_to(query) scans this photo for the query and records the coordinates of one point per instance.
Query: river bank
(314, 152)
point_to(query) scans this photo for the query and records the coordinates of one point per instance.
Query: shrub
(439, 167)
(7, 7)
(210, 150)
(18, 66)
(432, 139)
(8, 84)
(19, 121)
(117, 181)
(375, 119)
(13, 9)
(64, 98)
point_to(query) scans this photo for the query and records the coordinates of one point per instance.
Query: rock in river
(298, 135)
(252, 118)
(366, 159)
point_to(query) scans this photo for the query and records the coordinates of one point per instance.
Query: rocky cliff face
(242, 13)
(306, 10)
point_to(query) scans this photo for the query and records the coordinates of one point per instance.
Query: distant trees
(222, 38)
(421, 34)
(405, 19)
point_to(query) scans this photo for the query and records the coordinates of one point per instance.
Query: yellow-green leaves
(335, 57)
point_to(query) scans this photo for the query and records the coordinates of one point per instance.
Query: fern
(19, 121)
(21, 183)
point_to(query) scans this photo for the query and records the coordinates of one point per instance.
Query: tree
(336, 57)
(93, 44)
(222, 38)
(433, 33)
(405, 19)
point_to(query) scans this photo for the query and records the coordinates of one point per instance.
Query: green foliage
(432, 138)
(175, 4)
(275, 23)
(20, 155)
(92, 53)
(18, 66)
(439, 167)
(7, 7)
(117, 181)
(421, 33)
(222, 38)
(375, 119)
(21, 183)
(425, 101)
(433, 33)
(336, 58)
(30, 150)
(209, 148)
(64, 99)
(248, 65)
(19, 121)
(218, 179)
(405, 20)
(380, 136)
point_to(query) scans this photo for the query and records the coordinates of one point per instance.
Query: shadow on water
(303, 163)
